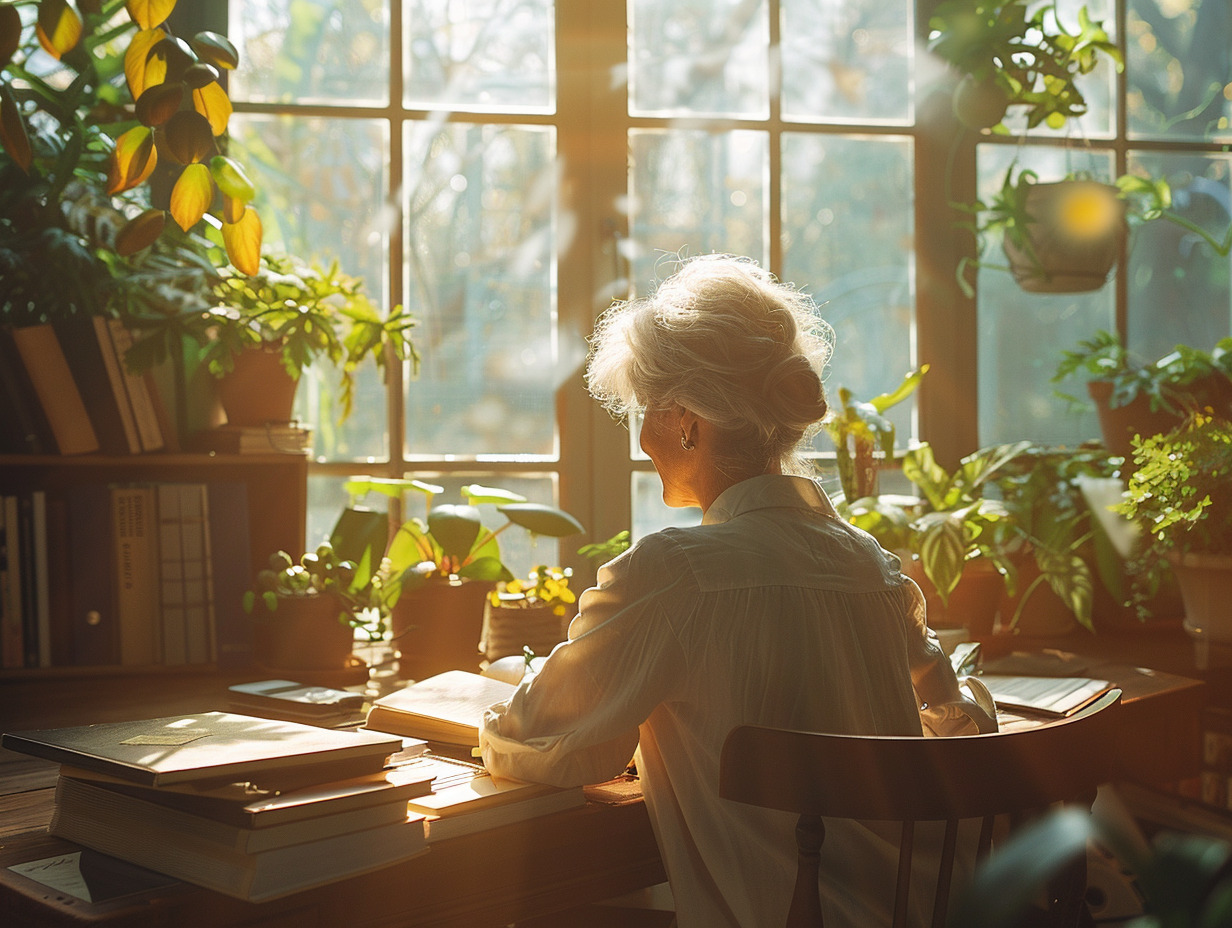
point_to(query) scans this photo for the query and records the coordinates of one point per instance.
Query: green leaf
(541, 519)
(477, 494)
(486, 568)
(942, 547)
(455, 528)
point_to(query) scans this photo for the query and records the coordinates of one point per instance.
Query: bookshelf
(276, 506)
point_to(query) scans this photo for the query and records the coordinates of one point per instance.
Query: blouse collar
(768, 491)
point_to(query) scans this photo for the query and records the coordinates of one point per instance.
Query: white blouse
(774, 611)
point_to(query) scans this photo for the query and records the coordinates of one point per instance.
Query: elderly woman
(774, 611)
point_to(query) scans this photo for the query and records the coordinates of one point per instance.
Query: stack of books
(250, 807)
(445, 711)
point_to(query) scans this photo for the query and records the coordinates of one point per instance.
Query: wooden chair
(922, 779)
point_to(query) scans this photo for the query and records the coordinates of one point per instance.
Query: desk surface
(491, 878)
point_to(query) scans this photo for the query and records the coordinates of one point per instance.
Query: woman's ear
(688, 424)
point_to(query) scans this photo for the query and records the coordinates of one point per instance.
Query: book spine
(136, 579)
(41, 575)
(138, 389)
(57, 392)
(231, 556)
(26, 426)
(29, 584)
(171, 575)
(12, 647)
(78, 339)
(59, 571)
(96, 634)
(113, 365)
(198, 593)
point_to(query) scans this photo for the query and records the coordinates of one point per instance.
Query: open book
(447, 708)
(1055, 696)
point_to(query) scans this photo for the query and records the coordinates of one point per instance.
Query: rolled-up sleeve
(576, 720)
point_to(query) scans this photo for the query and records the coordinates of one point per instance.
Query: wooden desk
(491, 878)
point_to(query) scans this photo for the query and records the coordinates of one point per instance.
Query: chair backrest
(918, 779)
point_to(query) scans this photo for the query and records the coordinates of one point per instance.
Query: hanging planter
(1064, 237)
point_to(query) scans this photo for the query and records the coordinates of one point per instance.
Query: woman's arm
(576, 720)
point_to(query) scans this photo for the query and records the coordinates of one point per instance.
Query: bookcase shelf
(276, 491)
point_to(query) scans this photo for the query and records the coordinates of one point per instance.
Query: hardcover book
(255, 877)
(119, 811)
(447, 708)
(243, 805)
(1054, 696)
(211, 747)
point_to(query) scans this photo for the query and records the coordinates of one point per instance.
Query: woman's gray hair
(725, 339)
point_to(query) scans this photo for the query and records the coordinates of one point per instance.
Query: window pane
(310, 51)
(847, 60)
(1179, 70)
(480, 202)
(695, 192)
(847, 234)
(699, 58)
(1179, 291)
(480, 54)
(1016, 395)
(321, 188)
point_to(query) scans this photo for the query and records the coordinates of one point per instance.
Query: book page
(1051, 695)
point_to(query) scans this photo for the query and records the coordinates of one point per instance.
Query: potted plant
(1012, 55)
(102, 94)
(306, 612)
(529, 614)
(1180, 494)
(439, 569)
(862, 434)
(1133, 396)
(267, 327)
(951, 533)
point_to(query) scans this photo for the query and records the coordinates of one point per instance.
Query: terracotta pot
(1118, 425)
(1064, 262)
(1206, 589)
(509, 628)
(303, 633)
(259, 391)
(972, 604)
(438, 626)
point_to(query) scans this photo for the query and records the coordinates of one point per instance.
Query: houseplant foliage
(1185, 879)
(1135, 395)
(306, 611)
(305, 311)
(450, 541)
(1180, 494)
(860, 430)
(126, 97)
(1011, 55)
(528, 615)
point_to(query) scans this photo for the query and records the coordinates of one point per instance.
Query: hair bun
(796, 386)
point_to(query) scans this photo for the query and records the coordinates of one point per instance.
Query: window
(507, 168)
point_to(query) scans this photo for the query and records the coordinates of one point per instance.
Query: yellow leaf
(232, 208)
(191, 195)
(59, 27)
(159, 103)
(188, 137)
(212, 102)
(133, 160)
(243, 242)
(139, 70)
(13, 130)
(149, 13)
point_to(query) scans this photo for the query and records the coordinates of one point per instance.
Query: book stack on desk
(445, 711)
(253, 808)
